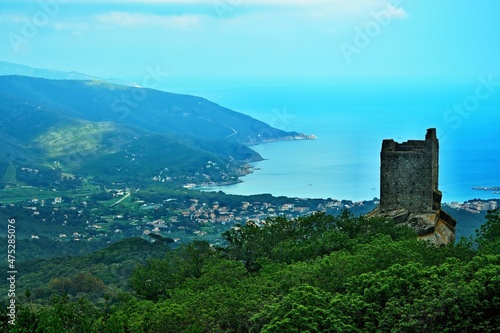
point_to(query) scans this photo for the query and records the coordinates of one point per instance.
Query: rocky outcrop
(437, 227)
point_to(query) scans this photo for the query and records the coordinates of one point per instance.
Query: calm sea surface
(350, 122)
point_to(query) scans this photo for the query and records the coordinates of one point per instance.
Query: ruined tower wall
(409, 174)
(434, 143)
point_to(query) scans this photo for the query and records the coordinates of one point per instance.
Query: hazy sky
(329, 39)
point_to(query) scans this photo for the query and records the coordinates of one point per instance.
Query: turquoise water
(350, 123)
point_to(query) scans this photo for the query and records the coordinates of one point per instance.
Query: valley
(99, 215)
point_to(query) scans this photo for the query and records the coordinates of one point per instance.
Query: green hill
(147, 109)
(122, 133)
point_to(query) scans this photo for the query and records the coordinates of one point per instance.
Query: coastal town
(474, 206)
(178, 217)
(120, 213)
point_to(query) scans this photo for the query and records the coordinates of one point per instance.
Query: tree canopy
(318, 273)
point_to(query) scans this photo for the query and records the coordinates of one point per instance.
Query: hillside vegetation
(318, 273)
(123, 133)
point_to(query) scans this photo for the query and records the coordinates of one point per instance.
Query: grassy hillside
(119, 133)
(152, 110)
(7, 173)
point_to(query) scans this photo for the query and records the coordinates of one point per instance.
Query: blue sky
(334, 40)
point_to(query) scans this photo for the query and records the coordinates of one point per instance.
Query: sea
(350, 120)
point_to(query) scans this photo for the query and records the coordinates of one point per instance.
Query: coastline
(247, 168)
(331, 169)
(295, 137)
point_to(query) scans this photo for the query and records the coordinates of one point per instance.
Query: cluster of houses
(202, 213)
(189, 216)
(475, 207)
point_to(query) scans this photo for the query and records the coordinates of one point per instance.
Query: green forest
(317, 273)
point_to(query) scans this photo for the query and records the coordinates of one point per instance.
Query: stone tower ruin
(409, 174)
(409, 191)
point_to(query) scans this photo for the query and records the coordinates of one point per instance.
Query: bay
(350, 122)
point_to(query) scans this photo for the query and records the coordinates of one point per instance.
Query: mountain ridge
(9, 68)
(80, 124)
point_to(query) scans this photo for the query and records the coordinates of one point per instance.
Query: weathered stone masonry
(409, 174)
(409, 191)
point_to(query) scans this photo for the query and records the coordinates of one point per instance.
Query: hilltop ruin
(409, 191)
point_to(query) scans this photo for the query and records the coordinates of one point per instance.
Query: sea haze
(350, 122)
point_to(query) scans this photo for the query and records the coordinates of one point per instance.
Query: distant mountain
(125, 133)
(8, 68)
